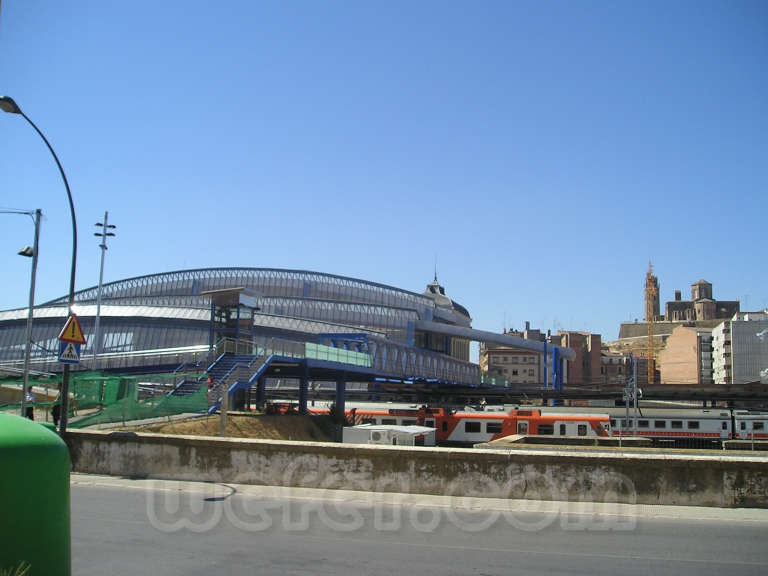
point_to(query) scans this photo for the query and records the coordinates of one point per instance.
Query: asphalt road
(122, 526)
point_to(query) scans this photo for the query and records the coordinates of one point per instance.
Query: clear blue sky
(543, 152)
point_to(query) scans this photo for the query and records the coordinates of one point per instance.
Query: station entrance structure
(294, 322)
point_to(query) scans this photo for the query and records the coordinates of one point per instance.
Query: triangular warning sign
(72, 331)
(69, 354)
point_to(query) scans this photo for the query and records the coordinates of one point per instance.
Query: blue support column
(555, 366)
(261, 392)
(560, 375)
(210, 329)
(237, 325)
(544, 370)
(341, 394)
(304, 388)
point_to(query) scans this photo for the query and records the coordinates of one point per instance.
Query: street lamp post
(29, 252)
(105, 231)
(28, 337)
(8, 105)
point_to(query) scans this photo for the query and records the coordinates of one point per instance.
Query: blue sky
(542, 152)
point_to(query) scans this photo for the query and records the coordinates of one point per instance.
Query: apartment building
(687, 357)
(738, 353)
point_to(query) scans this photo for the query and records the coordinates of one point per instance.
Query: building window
(514, 372)
(530, 372)
(471, 427)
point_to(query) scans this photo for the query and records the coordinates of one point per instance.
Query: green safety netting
(116, 398)
(129, 408)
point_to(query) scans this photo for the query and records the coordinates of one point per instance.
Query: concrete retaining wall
(693, 480)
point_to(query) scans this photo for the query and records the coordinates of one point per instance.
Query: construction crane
(651, 291)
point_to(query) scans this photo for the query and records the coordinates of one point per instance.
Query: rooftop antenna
(435, 267)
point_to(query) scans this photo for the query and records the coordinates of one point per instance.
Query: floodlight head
(27, 251)
(762, 335)
(7, 104)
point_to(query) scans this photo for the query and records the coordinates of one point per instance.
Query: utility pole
(105, 231)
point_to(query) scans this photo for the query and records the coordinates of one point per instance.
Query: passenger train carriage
(457, 427)
(668, 424)
(671, 424)
(467, 427)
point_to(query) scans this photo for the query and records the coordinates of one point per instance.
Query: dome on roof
(437, 292)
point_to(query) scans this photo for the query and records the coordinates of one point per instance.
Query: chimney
(678, 296)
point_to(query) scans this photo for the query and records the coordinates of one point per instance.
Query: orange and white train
(456, 427)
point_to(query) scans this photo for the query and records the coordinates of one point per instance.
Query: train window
(562, 429)
(471, 427)
(409, 422)
(743, 426)
(389, 421)
(369, 420)
(659, 423)
(613, 423)
(546, 429)
(582, 429)
(445, 426)
(725, 425)
(623, 423)
(642, 423)
(757, 425)
(694, 424)
(493, 427)
(677, 424)
(429, 423)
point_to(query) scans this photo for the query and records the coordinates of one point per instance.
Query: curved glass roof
(269, 281)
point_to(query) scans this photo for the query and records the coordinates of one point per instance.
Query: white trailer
(390, 435)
